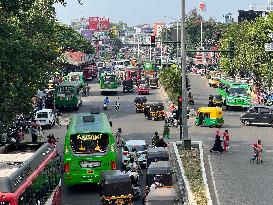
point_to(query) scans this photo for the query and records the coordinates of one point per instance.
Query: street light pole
(201, 40)
(183, 118)
(177, 33)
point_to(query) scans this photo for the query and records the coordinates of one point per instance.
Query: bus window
(109, 78)
(66, 90)
(89, 143)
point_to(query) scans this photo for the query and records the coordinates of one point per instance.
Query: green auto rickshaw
(209, 117)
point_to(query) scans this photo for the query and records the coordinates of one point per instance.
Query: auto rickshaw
(215, 101)
(139, 103)
(116, 188)
(154, 111)
(210, 117)
(214, 81)
(162, 196)
(161, 172)
(156, 154)
(153, 81)
(128, 86)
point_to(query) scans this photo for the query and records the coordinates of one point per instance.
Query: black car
(128, 86)
(258, 115)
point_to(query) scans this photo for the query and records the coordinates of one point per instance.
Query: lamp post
(202, 7)
(183, 117)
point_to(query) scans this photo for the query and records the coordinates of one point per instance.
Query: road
(134, 126)
(237, 181)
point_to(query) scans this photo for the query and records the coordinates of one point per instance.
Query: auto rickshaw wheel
(153, 119)
(246, 122)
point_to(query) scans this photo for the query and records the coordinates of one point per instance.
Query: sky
(147, 11)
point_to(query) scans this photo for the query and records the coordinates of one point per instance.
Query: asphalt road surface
(232, 178)
(133, 125)
(235, 179)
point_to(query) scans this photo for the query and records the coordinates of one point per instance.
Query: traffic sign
(202, 6)
(268, 46)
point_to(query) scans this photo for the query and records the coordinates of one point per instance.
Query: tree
(31, 43)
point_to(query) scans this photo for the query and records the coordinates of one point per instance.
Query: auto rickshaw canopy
(214, 112)
(115, 183)
(162, 196)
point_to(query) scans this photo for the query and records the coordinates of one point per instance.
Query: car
(46, 117)
(258, 115)
(141, 147)
(143, 89)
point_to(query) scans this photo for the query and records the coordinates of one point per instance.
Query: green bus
(109, 83)
(68, 95)
(234, 94)
(89, 148)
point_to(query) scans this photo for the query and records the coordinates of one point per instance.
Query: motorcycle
(135, 183)
(105, 106)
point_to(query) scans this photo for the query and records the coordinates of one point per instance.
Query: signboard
(268, 46)
(99, 24)
(158, 27)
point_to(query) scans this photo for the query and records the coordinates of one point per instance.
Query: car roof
(135, 142)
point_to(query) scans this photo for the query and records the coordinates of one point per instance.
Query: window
(253, 110)
(66, 91)
(238, 92)
(137, 147)
(264, 110)
(42, 114)
(42, 187)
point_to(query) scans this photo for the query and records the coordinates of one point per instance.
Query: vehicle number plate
(86, 164)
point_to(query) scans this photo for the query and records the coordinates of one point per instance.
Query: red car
(143, 89)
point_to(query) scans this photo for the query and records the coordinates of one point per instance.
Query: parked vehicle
(258, 115)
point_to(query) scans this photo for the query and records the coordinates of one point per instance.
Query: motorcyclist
(106, 101)
(161, 143)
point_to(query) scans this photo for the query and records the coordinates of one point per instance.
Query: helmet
(156, 133)
(119, 129)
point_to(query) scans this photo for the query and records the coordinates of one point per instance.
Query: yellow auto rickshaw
(140, 103)
(214, 81)
(209, 117)
(154, 111)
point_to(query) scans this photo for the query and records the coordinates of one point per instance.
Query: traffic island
(193, 172)
(190, 173)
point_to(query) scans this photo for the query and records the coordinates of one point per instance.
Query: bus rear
(89, 149)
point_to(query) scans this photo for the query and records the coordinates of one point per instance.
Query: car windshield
(89, 143)
(137, 147)
(109, 78)
(143, 86)
(42, 114)
(237, 92)
(66, 91)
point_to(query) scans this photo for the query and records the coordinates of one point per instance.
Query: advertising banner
(99, 24)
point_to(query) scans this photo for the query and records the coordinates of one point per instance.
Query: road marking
(213, 182)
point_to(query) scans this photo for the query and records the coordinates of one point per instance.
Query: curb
(204, 176)
(200, 143)
(190, 198)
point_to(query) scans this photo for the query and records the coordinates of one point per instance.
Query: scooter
(105, 106)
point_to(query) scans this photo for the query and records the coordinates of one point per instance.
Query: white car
(45, 117)
(140, 146)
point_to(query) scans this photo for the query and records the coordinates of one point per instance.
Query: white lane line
(213, 182)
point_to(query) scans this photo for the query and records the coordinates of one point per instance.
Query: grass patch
(193, 172)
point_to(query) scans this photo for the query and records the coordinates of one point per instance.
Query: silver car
(141, 148)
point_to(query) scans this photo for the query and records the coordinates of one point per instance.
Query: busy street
(172, 106)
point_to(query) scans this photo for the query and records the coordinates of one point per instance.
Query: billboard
(158, 27)
(99, 24)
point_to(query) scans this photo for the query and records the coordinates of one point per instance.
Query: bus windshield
(237, 92)
(66, 91)
(89, 143)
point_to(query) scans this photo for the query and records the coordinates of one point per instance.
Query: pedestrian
(117, 104)
(20, 135)
(155, 138)
(259, 152)
(255, 152)
(58, 118)
(40, 133)
(118, 137)
(34, 133)
(217, 147)
(226, 140)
